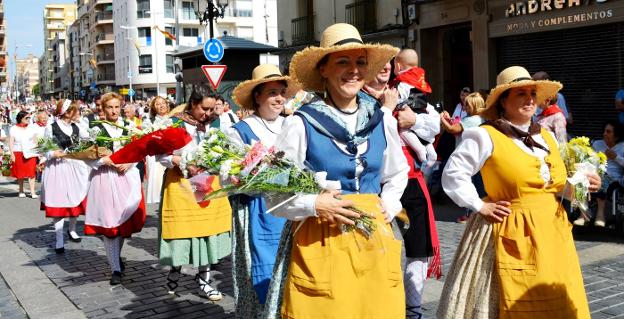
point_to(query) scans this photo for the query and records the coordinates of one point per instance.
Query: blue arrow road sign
(213, 50)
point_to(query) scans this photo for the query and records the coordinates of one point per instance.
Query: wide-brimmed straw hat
(517, 76)
(336, 38)
(263, 73)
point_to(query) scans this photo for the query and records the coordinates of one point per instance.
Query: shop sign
(521, 8)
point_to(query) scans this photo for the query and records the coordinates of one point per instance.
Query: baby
(410, 80)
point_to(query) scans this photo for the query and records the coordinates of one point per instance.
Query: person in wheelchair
(612, 144)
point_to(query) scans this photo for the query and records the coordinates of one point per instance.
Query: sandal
(172, 279)
(413, 312)
(212, 294)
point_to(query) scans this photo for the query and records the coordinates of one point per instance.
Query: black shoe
(115, 278)
(122, 265)
(75, 240)
(60, 250)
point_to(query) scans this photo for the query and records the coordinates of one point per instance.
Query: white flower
(224, 171)
(212, 138)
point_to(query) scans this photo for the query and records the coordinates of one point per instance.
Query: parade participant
(21, 142)
(410, 80)
(345, 133)
(553, 119)
(612, 145)
(517, 257)
(65, 182)
(256, 234)
(421, 238)
(191, 232)
(159, 110)
(115, 205)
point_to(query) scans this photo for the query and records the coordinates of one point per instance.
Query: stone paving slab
(9, 306)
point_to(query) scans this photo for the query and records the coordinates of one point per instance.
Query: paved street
(36, 283)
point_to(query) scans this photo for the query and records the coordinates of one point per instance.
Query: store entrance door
(447, 58)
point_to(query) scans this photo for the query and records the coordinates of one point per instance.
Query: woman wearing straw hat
(344, 133)
(256, 234)
(517, 257)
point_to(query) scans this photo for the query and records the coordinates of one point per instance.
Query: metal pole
(129, 66)
(178, 99)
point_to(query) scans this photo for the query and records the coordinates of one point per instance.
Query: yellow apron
(183, 217)
(536, 261)
(344, 275)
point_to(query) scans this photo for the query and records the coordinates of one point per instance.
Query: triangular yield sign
(214, 73)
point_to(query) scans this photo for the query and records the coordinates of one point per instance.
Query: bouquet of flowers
(258, 170)
(90, 148)
(5, 164)
(580, 158)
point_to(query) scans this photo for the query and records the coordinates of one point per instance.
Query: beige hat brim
(303, 64)
(242, 93)
(545, 90)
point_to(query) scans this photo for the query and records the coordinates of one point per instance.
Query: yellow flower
(603, 157)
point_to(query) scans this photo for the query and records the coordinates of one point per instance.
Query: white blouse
(267, 131)
(393, 173)
(468, 159)
(23, 138)
(166, 159)
(65, 128)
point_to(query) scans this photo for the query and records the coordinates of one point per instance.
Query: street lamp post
(128, 28)
(211, 13)
(155, 40)
(15, 77)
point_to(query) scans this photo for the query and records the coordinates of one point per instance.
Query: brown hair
(59, 107)
(152, 110)
(110, 96)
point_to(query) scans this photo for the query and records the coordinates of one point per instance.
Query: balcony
(105, 58)
(106, 77)
(104, 38)
(56, 26)
(104, 17)
(302, 30)
(363, 15)
(2, 31)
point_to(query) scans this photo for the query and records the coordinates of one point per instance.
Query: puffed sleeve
(233, 134)
(293, 142)
(394, 169)
(467, 159)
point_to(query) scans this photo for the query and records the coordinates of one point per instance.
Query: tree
(36, 90)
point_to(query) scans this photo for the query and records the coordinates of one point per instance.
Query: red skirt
(129, 227)
(62, 212)
(23, 167)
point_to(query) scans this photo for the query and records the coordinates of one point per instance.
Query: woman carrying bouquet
(20, 144)
(115, 205)
(256, 233)
(191, 232)
(345, 133)
(159, 110)
(65, 182)
(517, 257)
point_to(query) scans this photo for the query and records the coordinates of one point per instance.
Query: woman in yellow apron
(517, 258)
(345, 134)
(191, 232)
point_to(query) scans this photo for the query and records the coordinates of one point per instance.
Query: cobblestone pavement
(82, 275)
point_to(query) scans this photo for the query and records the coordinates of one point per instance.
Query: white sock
(72, 227)
(113, 250)
(58, 229)
(414, 280)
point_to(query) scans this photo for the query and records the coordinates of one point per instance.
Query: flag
(165, 33)
(93, 63)
(137, 46)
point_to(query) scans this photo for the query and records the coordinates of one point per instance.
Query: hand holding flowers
(585, 168)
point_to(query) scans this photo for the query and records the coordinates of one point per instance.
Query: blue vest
(323, 155)
(265, 229)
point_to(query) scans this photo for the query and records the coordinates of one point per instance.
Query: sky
(24, 20)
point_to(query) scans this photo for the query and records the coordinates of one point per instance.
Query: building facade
(301, 22)
(578, 42)
(4, 74)
(56, 19)
(144, 54)
(27, 75)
